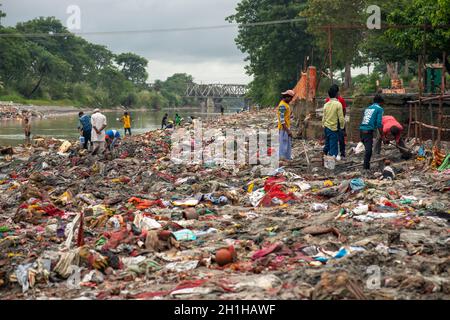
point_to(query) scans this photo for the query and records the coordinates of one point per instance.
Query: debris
(143, 227)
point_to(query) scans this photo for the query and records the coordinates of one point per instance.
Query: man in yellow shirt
(332, 115)
(284, 125)
(126, 120)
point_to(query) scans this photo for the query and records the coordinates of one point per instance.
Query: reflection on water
(64, 127)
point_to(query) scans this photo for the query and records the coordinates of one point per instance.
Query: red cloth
(342, 101)
(389, 122)
(268, 250)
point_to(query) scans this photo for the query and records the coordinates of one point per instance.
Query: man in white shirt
(98, 121)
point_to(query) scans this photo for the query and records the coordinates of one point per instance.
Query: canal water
(65, 126)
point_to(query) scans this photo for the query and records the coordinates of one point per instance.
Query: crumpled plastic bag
(256, 197)
(359, 148)
(146, 223)
(182, 266)
(22, 276)
(357, 184)
(185, 235)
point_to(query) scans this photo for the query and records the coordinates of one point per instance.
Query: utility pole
(330, 53)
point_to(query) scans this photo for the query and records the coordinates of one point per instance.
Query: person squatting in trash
(371, 121)
(284, 125)
(332, 121)
(126, 120)
(85, 128)
(111, 138)
(164, 121)
(98, 121)
(392, 130)
(178, 120)
(341, 129)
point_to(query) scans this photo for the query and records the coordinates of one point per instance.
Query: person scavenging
(98, 121)
(332, 121)
(126, 120)
(341, 129)
(371, 121)
(392, 131)
(112, 137)
(164, 121)
(284, 125)
(178, 120)
(85, 128)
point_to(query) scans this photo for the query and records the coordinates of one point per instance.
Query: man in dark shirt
(164, 121)
(85, 128)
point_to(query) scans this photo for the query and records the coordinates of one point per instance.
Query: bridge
(216, 91)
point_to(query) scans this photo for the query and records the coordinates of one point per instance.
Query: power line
(149, 31)
(223, 26)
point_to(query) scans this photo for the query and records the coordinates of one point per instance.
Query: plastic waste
(388, 173)
(22, 276)
(329, 162)
(186, 203)
(64, 147)
(361, 209)
(256, 197)
(185, 235)
(149, 224)
(359, 148)
(319, 207)
(357, 184)
(181, 266)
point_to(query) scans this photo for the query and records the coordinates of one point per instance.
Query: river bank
(15, 111)
(155, 229)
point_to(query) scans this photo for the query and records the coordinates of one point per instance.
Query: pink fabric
(264, 252)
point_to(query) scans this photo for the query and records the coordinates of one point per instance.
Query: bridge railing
(216, 90)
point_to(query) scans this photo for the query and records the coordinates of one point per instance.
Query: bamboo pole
(410, 121)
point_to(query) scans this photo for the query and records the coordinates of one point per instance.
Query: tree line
(41, 60)
(277, 53)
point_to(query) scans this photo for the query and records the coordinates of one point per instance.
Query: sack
(329, 162)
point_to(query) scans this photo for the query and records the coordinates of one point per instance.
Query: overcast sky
(210, 56)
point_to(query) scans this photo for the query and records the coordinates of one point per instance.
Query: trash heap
(74, 226)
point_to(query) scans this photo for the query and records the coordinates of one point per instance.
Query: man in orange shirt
(392, 130)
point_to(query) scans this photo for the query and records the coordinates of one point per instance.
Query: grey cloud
(190, 48)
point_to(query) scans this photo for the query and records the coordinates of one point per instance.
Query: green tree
(428, 29)
(114, 82)
(174, 89)
(46, 67)
(275, 53)
(100, 55)
(345, 41)
(15, 57)
(133, 67)
(381, 50)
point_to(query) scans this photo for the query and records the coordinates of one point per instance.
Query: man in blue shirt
(372, 120)
(111, 138)
(85, 128)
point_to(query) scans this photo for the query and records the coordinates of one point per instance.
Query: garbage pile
(8, 111)
(76, 226)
